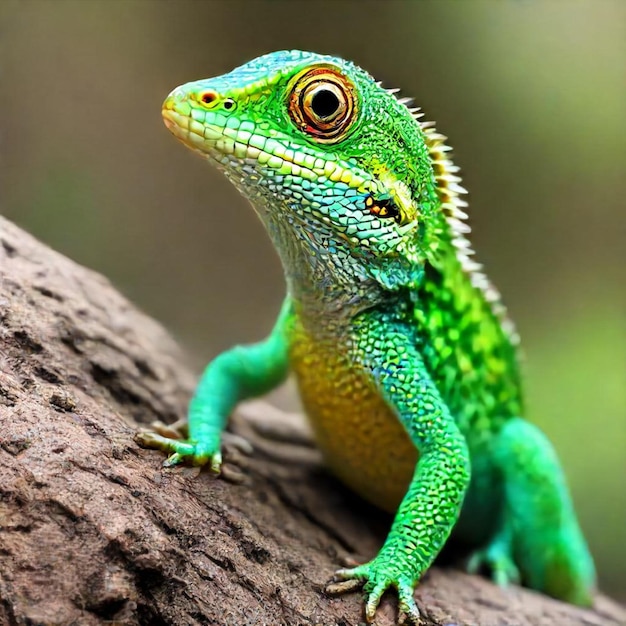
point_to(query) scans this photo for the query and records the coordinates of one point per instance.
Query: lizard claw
(376, 578)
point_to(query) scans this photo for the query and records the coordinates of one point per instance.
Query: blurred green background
(532, 95)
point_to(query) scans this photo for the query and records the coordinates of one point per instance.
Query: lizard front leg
(239, 373)
(387, 350)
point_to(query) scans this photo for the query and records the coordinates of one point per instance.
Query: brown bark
(94, 531)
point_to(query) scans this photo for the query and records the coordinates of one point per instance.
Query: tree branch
(94, 531)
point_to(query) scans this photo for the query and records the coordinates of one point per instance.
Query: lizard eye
(322, 104)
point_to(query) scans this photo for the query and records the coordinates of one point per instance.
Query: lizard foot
(496, 558)
(173, 439)
(180, 430)
(181, 451)
(376, 578)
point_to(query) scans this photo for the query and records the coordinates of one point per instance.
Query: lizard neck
(323, 278)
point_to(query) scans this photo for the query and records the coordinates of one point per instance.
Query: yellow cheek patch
(401, 196)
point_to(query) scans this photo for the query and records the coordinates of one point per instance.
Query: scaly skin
(405, 360)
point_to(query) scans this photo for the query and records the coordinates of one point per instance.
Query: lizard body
(404, 357)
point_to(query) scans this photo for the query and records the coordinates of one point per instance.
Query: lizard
(404, 356)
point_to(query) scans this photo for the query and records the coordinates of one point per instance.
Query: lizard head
(345, 178)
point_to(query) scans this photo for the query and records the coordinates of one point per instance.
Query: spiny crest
(453, 205)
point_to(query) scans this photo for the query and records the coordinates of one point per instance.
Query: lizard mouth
(233, 149)
(200, 137)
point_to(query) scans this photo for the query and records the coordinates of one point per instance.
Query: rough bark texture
(94, 531)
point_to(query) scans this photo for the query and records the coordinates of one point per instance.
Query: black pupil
(324, 103)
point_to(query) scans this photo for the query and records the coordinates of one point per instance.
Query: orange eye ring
(322, 103)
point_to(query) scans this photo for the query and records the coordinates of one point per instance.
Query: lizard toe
(407, 604)
(499, 562)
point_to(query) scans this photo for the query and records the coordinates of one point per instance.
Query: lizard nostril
(208, 97)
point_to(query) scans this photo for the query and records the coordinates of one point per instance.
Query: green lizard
(405, 360)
